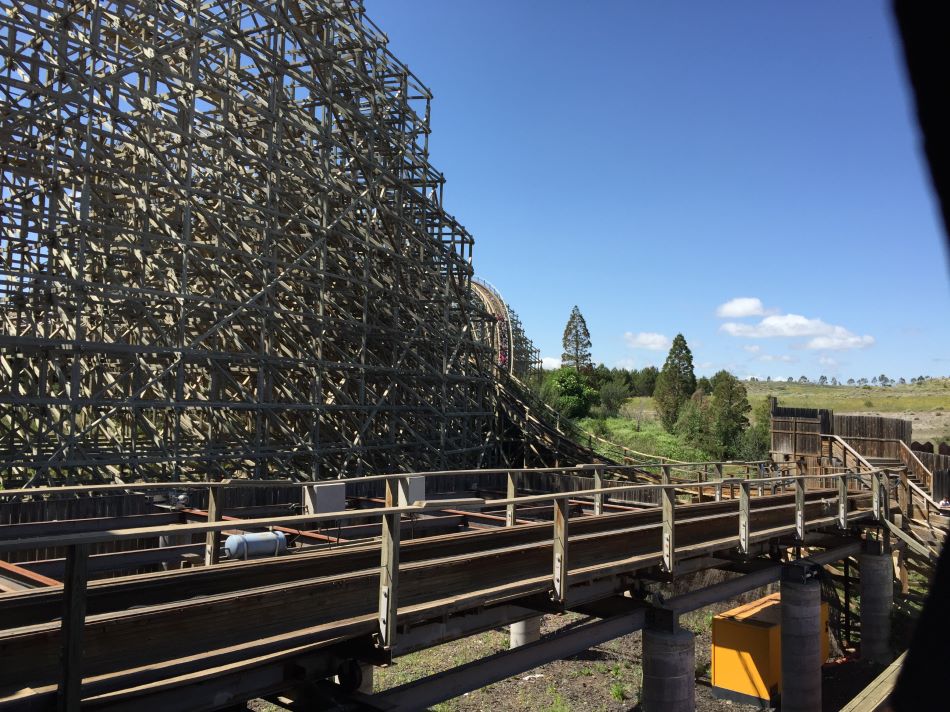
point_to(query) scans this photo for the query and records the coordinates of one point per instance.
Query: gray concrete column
(524, 632)
(801, 638)
(669, 670)
(877, 598)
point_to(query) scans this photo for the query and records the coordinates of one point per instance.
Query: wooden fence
(868, 434)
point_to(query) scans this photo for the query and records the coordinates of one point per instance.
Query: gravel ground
(605, 678)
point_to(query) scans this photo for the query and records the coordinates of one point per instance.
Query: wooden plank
(873, 698)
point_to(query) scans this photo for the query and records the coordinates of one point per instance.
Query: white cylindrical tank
(248, 546)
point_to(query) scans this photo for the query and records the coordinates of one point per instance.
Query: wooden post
(213, 539)
(761, 477)
(388, 577)
(561, 511)
(800, 508)
(511, 494)
(598, 483)
(843, 501)
(71, 628)
(718, 467)
(744, 507)
(669, 528)
(904, 500)
(666, 476)
(876, 494)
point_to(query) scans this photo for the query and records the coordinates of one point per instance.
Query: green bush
(612, 395)
(567, 392)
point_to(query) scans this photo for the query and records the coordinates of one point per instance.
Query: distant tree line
(882, 380)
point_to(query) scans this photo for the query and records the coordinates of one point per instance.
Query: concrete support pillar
(877, 598)
(801, 638)
(669, 670)
(524, 632)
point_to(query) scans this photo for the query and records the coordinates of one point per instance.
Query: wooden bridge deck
(301, 614)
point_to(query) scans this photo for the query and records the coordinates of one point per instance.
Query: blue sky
(652, 162)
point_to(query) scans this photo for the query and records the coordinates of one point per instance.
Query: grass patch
(930, 395)
(651, 438)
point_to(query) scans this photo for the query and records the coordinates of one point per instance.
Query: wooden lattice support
(223, 250)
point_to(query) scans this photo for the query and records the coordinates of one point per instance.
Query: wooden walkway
(873, 698)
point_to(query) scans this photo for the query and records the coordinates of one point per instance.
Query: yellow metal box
(747, 651)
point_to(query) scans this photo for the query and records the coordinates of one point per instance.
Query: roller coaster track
(228, 631)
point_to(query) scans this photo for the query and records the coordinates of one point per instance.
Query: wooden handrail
(377, 512)
(858, 456)
(924, 473)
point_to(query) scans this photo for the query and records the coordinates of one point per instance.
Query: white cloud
(752, 348)
(784, 358)
(705, 365)
(840, 342)
(824, 336)
(740, 307)
(627, 363)
(827, 361)
(550, 362)
(647, 340)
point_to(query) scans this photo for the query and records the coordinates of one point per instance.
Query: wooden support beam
(843, 501)
(876, 494)
(512, 492)
(560, 549)
(213, 539)
(665, 476)
(744, 506)
(72, 625)
(668, 498)
(800, 508)
(598, 484)
(388, 580)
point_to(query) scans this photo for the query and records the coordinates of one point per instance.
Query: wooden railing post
(561, 512)
(761, 477)
(512, 492)
(800, 508)
(388, 577)
(876, 494)
(666, 476)
(213, 539)
(598, 483)
(904, 499)
(718, 467)
(668, 494)
(389, 567)
(72, 627)
(843, 501)
(744, 507)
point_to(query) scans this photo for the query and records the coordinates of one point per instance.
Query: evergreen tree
(645, 380)
(730, 404)
(675, 384)
(576, 342)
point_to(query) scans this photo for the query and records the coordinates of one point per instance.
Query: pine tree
(675, 384)
(576, 342)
